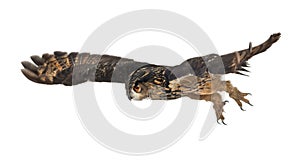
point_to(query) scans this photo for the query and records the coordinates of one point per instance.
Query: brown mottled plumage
(198, 78)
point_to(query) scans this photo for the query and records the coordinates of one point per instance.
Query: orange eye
(157, 81)
(137, 89)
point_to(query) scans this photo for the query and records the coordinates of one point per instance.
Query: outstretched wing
(75, 68)
(149, 80)
(236, 61)
(229, 63)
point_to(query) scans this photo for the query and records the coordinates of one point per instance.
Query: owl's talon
(226, 101)
(242, 109)
(218, 105)
(224, 122)
(237, 95)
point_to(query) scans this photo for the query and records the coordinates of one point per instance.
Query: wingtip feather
(30, 75)
(37, 60)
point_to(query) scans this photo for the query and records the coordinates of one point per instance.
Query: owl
(198, 78)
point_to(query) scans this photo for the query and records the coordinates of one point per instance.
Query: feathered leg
(217, 101)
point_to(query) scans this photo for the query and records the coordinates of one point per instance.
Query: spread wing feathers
(237, 61)
(74, 68)
(234, 62)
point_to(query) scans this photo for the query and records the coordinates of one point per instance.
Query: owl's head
(148, 82)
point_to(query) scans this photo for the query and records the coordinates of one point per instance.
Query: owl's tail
(236, 61)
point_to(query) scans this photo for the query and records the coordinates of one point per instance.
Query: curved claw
(218, 122)
(226, 101)
(224, 122)
(242, 109)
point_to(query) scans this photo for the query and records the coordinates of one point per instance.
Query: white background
(40, 123)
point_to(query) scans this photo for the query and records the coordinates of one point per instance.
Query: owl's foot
(237, 95)
(216, 99)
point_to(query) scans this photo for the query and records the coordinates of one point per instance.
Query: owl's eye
(157, 81)
(137, 88)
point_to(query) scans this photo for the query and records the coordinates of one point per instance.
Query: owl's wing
(235, 62)
(74, 68)
(229, 63)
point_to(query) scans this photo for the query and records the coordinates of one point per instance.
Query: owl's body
(198, 78)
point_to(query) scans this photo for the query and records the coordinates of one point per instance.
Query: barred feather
(74, 68)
